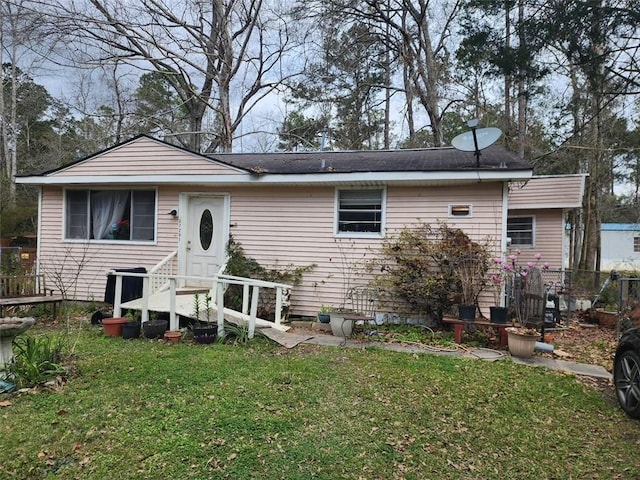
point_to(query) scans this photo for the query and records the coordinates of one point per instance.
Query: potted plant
(340, 326)
(113, 326)
(323, 315)
(528, 292)
(173, 336)
(497, 280)
(155, 327)
(522, 341)
(470, 269)
(203, 332)
(131, 328)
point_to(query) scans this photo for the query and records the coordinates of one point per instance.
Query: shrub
(36, 359)
(240, 265)
(420, 268)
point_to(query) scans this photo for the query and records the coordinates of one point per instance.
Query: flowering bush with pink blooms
(516, 273)
(527, 286)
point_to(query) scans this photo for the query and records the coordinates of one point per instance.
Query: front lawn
(145, 409)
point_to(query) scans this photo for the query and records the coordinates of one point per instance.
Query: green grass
(142, 409)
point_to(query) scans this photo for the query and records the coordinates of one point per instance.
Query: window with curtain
(520, 231)
(360, 211)
(124, 215)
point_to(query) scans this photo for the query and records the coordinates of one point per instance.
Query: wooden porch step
(192, 290)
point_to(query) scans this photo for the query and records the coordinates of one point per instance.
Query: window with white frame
(636, 244)
(360, 211)
(124, 215)
(520, 231)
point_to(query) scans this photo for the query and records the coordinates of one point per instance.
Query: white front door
(206, 237)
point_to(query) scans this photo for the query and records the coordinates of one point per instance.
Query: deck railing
(159, 274)
(251, 291)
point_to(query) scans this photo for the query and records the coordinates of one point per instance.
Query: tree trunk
(507, 77)
(408, 89)
(387, 95)
(522, 87)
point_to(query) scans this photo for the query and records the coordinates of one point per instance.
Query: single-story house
(620, 246)
(134, 204)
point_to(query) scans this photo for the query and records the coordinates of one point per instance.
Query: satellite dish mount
(477, 139)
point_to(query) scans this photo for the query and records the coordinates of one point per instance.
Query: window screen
(360, 211)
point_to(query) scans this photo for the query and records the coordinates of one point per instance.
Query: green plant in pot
(155, 327)
(324, 315)
(203, 332)
(131, 328)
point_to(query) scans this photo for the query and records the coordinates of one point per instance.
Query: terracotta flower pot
(113, 326)
(173, 336)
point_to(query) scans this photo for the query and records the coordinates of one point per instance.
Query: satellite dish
(485, 137)
(477, 139)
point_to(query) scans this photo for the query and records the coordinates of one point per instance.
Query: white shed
(620, 246)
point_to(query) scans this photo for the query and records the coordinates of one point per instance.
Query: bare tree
(221, 57)
(19, 29)
(418, 33)
(9, 42)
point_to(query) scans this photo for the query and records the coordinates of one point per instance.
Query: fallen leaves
(586, 344)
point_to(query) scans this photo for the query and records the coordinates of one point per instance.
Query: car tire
(626, 377)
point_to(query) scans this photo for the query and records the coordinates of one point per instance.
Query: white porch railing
(250, 295)
(160, 273)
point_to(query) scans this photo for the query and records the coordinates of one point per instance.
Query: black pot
(324, 317)
(131, 329)
(467, 312)
(205, 334)
(498, 314)
(155, 328)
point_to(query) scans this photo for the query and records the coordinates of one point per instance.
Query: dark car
(626, 372)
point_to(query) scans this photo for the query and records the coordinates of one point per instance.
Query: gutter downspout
(39, 230)
(503, 235)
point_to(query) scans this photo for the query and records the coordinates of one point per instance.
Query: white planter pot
(520, 345)
(339, 326)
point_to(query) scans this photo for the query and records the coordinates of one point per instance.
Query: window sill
(371, 235)
(111, 242)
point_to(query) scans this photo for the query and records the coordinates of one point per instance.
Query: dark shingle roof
(418, 160)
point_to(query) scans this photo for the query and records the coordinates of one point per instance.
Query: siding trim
(371, 178)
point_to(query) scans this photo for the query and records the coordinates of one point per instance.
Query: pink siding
(297, 226)
(145, 156)
(59, 259)
(279, 227)
(548, 237)
(564, 191)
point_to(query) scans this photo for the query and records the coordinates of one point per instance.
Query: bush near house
(240, 265)
(417, 269)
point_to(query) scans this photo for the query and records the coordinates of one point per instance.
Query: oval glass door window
(206, 229)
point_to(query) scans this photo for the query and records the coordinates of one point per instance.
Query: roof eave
(382, 178)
